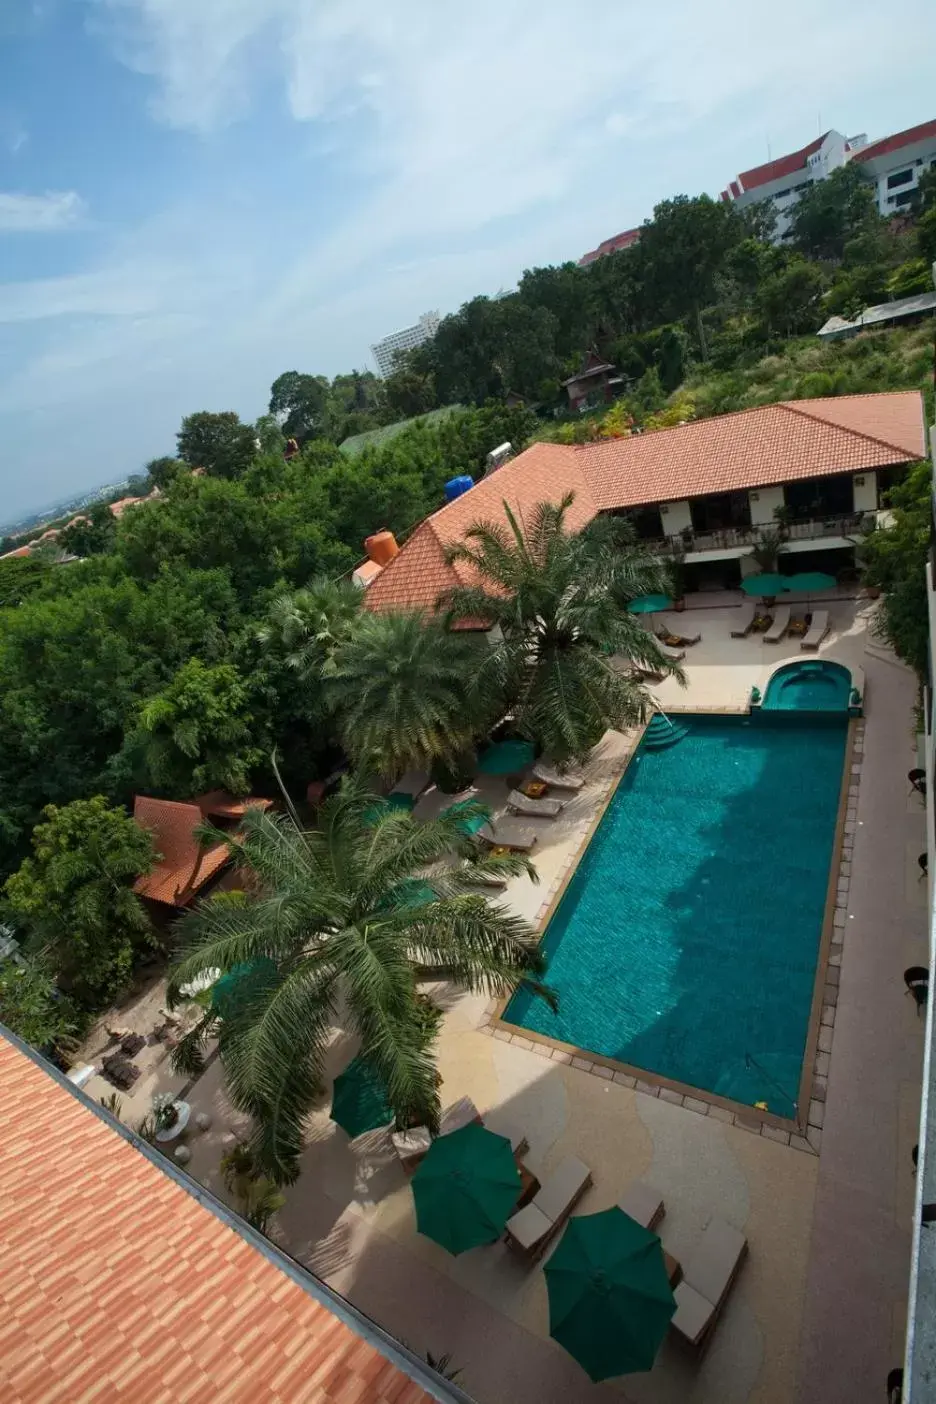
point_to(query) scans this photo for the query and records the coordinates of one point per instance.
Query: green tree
(20, 576)
(219, 443)
(911, 277)
(196, 734)
(91, 534)
(344, 922)
(894, 560)
(31, 1005)
(681, 251)
(560, 603)
(830, 212)
(398, 687)
(303, 627)
(162, 471)
(298, 401)
(788, 300)
(926, 235)
(74, 896)
(409, 391)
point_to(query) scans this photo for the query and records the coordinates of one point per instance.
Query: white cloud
(17, 137)
(38, 214)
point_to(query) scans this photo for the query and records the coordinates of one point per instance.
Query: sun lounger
(558, 779)
(520, 803)
(517, 1138)
(708, 1273)
(412, 783)
(781, 622)
(817, 630)
(411, 1145)
(664, 631)
(646, 675)
(507, 833)
(472, 875)
(744, 621)
(530, 1230)
(642, 1203)
(672, 657)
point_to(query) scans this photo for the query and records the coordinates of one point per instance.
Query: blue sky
(196, 195)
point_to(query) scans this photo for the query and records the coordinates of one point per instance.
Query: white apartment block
(782, 181)
(387, 348)
(896, 163)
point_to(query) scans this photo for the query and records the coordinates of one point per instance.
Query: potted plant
(165, 1111)
(678, 575)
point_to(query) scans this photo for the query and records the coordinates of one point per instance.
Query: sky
(196, 195)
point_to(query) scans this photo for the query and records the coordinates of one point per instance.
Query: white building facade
(896, 163)
(783, 181)
(406, 340)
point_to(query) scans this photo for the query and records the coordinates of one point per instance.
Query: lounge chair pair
(708, 1274)
(558, 779)
(530, 1230)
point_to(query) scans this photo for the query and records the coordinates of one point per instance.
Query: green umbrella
(227, 992)
(809, 582)
(649, 604)
(506, 757)
(764, 584)
(359, 1100)
(472, 821)
(610, 1300)
(466, 1188)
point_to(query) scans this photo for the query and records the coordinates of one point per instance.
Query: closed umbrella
(764, 585)
(610, 1301)
(649, 604)
(506, 757)
(359, 1099)
(466, 1188)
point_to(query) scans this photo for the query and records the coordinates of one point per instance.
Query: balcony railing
(811, 529)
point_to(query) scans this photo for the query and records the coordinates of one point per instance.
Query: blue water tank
(456, 486)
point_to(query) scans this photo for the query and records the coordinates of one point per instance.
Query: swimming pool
(809, 684)
(687, 941)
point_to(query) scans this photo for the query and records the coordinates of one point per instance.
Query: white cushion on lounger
(529, 1226)
(713, 1262)
(642, 1203)
(693, 1312)
(416, 1141)
(459, 1114)
(561, 1188)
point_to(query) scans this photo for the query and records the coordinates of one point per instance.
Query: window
(782, 194)
(899, 178)
(903, 198)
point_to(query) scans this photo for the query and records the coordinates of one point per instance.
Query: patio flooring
(816, 1313)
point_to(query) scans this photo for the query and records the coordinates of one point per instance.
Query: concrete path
(860, 1251)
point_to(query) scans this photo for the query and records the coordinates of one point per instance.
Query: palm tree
(303, 626)
(343, 923)
(399, 688)
(560, 603)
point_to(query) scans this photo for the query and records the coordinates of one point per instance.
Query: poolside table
(673, 1268)
(529, 1184)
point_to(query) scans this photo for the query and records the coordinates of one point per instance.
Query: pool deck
(817, 1311)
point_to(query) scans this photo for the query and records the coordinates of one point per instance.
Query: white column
(866, 493)
(676, 517)
(762, 502)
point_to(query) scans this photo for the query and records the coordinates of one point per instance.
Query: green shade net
(506, 757)
(764, 584)
(466, 1188)
(359, 1100)
(610, 1301)
(230, 989)
(649, 604)
(809, 582)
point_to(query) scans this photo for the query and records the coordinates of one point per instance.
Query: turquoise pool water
(687, 941)
(809, 684)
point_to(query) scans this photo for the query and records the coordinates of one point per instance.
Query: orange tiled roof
(186, 865)
(755, 448)
(894, 143)
(416, 577)
(783, 166)
(219, 804)
(19, 552)
(773, 444)
(118, 1284)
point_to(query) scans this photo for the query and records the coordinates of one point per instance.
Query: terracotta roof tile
(894, 143)
(773, 444)
(783, 166)
(185, 865)
(134, 1290)
(416, 577)
(755, 448)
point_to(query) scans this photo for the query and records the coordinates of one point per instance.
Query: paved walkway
(860, 1252)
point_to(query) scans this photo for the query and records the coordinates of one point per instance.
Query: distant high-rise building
(783, 181)
(609, 246)
(896, 163)
(386, 349)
